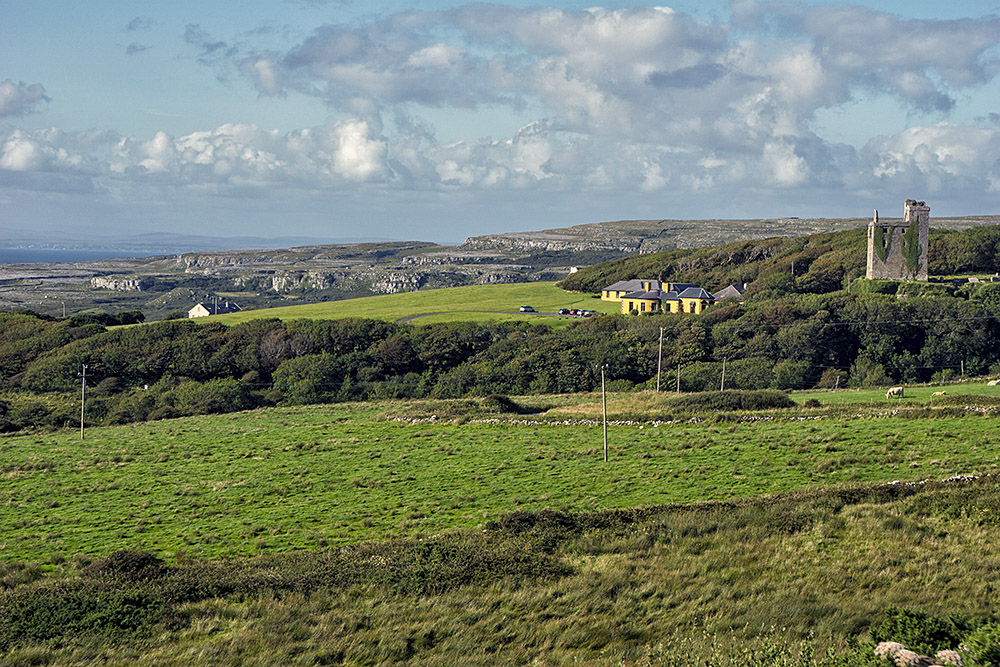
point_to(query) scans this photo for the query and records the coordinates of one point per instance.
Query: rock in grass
(904, 657)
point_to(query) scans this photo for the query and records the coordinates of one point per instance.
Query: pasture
(306, 477)
(912, 395)
(468, 303)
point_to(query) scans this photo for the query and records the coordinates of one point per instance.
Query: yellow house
(653, 296)
(622, 288)
(649, 301)
(690, 300)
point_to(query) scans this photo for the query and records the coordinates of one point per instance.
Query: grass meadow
(444, 532)
(447, 305)
(316, 476)
(913, 395)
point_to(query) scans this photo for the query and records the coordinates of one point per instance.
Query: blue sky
(438, 120)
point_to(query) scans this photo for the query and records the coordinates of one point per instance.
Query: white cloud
(786, 168)
(17, 99)
(159, 152)
(942, 152)
(356, 155)
(20, 153)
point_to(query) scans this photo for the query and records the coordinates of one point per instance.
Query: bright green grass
(460, 303)
(305, 477)
(912, 395)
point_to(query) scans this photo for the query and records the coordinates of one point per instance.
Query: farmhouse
(621, 288)
(201, 310)
(652, 296)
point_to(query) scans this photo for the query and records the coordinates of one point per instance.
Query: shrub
(500, 403)
(733, 399)
(39, 614)
(832, 378)
(129, 564)
(984, 644)
(920, 631)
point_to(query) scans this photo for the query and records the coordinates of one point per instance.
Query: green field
(290, 478)
(470, 303)
(447, 532)
(919, 394)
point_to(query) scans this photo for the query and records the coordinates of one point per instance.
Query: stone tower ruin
(898, 250)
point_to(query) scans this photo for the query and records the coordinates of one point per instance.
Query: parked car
(563, 311)
(527, 309)
(574, 311)
(587, 313)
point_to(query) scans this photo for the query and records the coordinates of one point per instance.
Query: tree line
(779, 337)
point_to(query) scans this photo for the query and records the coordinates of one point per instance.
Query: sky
(437, 120)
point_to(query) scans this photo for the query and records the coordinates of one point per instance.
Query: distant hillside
(172, 284)
(818, 262)
(630, 237)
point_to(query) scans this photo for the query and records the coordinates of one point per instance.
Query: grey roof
(696, 293)
(652, 294)
(218, 308)
(730, 292)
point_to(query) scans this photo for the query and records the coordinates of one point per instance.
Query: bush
(733, 399)
(127, 564)
(40, 614)
(832, 378)
(500, 403)
(984, 644)
(920, 631)
(866, 286)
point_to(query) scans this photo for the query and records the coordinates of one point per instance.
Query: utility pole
(659, 361)
(83, 397)
(678, 377)
(604, 403)
(722, 387)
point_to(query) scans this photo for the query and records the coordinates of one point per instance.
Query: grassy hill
(819, 262)
(468, 303)
(510, 540)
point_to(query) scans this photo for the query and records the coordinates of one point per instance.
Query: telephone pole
(604, 403)
(722, 387)
(659, 361)
(83, 397)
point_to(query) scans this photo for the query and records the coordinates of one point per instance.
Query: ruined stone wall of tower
(897, 250)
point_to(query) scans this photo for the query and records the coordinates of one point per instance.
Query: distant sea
(36, 255)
